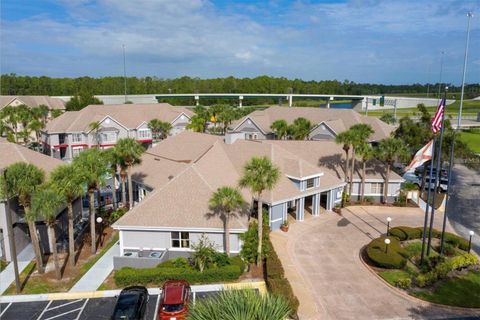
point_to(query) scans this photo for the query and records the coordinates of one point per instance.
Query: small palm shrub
(240, 305)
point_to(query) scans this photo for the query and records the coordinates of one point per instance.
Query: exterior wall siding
(251, 128)
(276, 216)
(321, 132)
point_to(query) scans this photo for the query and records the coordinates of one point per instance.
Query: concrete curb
(405, 295)
(260, 285)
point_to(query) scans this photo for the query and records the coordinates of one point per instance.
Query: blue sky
(376, 41)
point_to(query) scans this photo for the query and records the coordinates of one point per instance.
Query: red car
(174, 300)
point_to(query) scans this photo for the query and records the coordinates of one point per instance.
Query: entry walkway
(98, 272)
(321, 260)
(7, 276)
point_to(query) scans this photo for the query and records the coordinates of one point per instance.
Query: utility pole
(441, 71)
(124, 74)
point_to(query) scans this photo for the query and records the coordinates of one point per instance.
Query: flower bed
(440, 278)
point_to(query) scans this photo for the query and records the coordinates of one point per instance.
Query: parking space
(78, 309)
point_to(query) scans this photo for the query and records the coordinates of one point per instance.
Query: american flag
(437, 119)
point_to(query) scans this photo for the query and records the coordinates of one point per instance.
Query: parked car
(419, 171)
(174, 300)
(412, 178)
(131, 304)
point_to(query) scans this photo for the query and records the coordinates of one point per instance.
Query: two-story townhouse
(66, 136)
(178, 176)
(327, 123)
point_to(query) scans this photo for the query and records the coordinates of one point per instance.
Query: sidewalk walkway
(7, 276)
(98, 272)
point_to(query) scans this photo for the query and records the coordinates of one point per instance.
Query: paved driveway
(321, 260)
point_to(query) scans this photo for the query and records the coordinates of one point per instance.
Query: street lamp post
(388, 225)
(471, 233)
(387, 242)
(124, 74)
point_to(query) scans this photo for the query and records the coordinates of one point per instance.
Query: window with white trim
(77, 137)
(180, 239)
(108, 136)
(144, 133)
(251, 136)
(310, 183)
(376, 187)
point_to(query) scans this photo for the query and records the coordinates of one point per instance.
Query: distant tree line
(12, 84)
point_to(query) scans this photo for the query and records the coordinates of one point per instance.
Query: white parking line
(1, 314)
(156, 308)
(62, 314)
(81, 309)
(65, 304)
(44, 310)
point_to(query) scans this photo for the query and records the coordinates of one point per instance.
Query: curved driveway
(321, 259)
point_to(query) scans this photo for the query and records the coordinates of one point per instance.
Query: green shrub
(404, 283)
(237, 261)
(414, 249)
(274, 266)
(157, 276)
(281, 287)
(456, 241)
(463, 261)
(406, 233)
(179, 262)
(398, 233)
(426, 279)
(394, 258)
(368, 199)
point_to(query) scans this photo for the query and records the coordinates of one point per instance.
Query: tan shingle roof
(11, 153)
(338, 119)
(34, 101)
(129, 115)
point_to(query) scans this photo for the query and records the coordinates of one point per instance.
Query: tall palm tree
(45, 204)
(259, 174)
(130, 152)
(226, 201)
(367, 152)
(345, 139)
(360, 133)
(280, 128)
(155, 125)
(95, 126)
(25, 116)
(92, 168)
(113, 164)
(226, 117)
(389, 150)
(165, 128)
(197, 124)
(66, 180)
(301, 128)
(11, 120)
(23, 180)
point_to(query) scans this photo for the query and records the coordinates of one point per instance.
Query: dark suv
(131, 304)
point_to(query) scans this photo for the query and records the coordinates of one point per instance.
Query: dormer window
(310, 183)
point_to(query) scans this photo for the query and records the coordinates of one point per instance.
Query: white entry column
(300, 206)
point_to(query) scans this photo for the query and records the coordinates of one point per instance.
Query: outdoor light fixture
(99, 219)
(471, 233)
(387, 242)
(388, 225)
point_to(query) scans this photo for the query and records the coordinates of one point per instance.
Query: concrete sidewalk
(98, 272)
(7, 276)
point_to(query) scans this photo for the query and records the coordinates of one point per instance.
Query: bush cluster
(277, 283)
(442, 269)
(406, 233)
(157, 276)
(403, 283)
(394, 258)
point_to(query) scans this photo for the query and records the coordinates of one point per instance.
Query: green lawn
(472, 139)
(462, 291)
(470, 108)
(392, 276)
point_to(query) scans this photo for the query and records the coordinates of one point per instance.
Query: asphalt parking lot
(80, 309)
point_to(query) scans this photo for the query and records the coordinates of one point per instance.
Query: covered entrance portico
(300, 208)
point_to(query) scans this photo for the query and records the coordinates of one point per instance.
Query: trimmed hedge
(405, 233)
(408, 233)
(394, 258)
(276, 282)
(157, 276)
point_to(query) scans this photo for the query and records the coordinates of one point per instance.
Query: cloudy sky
(376, 41)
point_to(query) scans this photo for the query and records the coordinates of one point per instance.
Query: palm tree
(226, 117)
(165, 128)
(360, 133)
(66, 180)
(301, 128)
(280, 128)
(95, 126)
(226, 200)
(367, 153)
(92, 168)
(130, 152)
(123, 180)
(155, 125)
(11, 121)
(25, 116)
(389, 150)
(113, 162)
(23, 180)
(46, 203)
(197, 124)
(345, 138)
(259, 174)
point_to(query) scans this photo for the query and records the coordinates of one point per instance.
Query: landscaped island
(451, 279)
